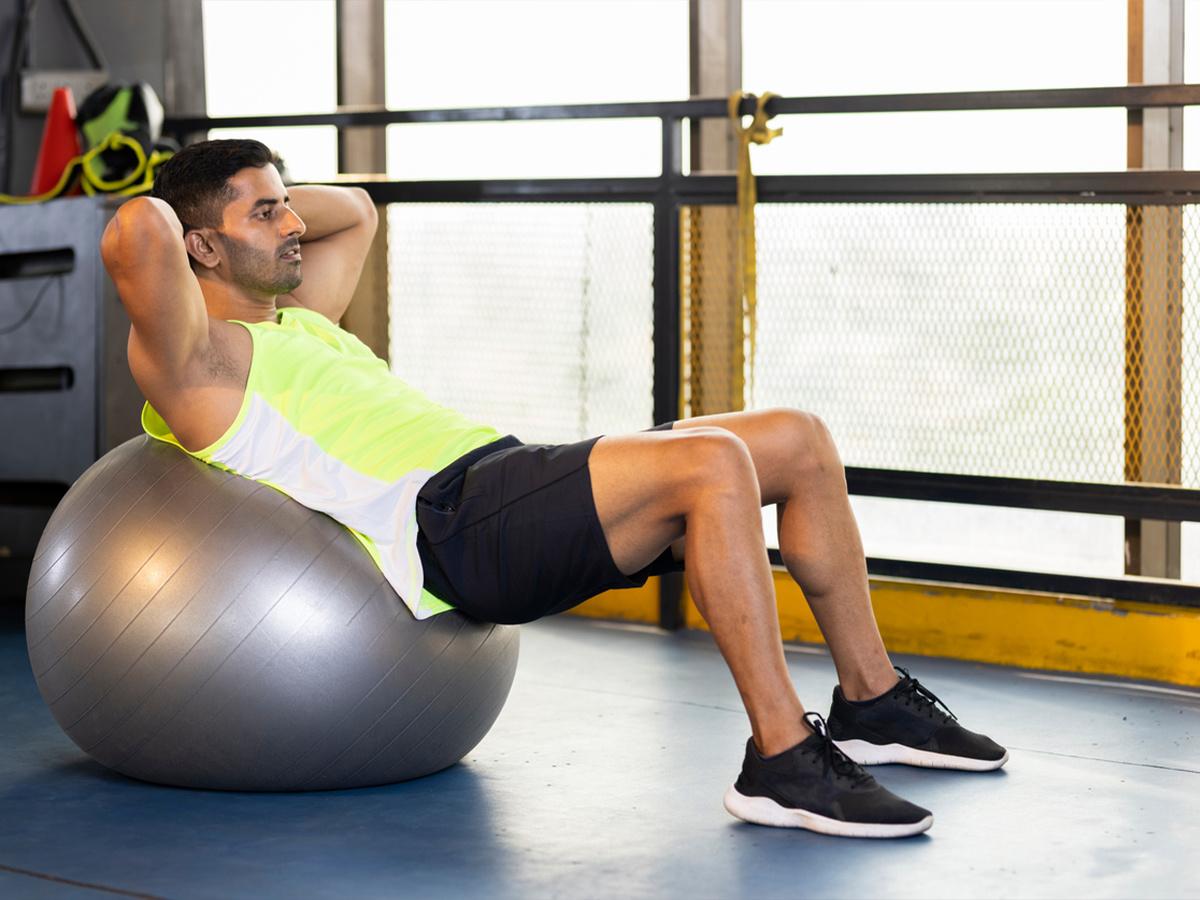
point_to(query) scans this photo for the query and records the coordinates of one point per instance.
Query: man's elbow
(110, 241)
(369, 212)
(136, 227)
(148, 217)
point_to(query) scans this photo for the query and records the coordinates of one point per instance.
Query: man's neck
(227, 301)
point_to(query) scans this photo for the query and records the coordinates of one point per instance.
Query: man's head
(237, 225)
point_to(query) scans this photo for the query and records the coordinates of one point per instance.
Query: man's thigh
(645, 484)
(635, 477)
(638, 490)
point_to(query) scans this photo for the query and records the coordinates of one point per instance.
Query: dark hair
(195, 181)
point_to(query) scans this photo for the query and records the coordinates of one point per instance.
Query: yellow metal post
(1154, 292)
(712, 309)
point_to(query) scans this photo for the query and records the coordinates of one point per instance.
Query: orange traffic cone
(60, 143)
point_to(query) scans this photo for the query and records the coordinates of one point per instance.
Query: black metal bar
(1143, 590)
(666, 278)
(1129, 97)
(1140, 186)
(1136, 187)
(1145, 186)
(537, 190)
(527, 190)
(380, 117)
(667, 327)
(1135, 501)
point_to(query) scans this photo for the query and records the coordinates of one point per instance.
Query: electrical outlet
(37, 86)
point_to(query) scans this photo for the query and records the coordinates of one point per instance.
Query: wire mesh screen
(536, 319)
(1053, 341)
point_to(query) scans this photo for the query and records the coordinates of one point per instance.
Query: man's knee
(813, 448)
(714, 459)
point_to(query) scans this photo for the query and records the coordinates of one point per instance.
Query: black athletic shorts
(509, 533)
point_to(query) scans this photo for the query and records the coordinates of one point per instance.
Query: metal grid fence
(1012, 340)
(979, 339)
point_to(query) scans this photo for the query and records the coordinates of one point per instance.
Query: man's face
(260, 234)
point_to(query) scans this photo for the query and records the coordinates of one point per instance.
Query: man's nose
(293, 224)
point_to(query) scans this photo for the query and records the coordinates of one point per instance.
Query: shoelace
(842, 765)
(916, 694)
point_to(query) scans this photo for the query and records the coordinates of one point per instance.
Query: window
(264, 57)
(831, 47)
(531, 52)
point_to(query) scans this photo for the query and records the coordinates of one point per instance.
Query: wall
(156, 41)
(142, 40)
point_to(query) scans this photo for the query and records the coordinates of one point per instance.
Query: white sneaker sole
(765, 811)
(867, 754)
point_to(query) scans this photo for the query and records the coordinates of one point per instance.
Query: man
(243, 366)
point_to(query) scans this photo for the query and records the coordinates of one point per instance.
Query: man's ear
(200, 245)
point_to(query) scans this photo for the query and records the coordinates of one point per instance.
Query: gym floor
(603, 778)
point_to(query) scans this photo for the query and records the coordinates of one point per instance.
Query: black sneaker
(814, 786)
(906, 726)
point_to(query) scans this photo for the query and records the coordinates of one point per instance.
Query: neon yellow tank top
(325, 421)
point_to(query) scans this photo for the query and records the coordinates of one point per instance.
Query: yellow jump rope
(138, 181)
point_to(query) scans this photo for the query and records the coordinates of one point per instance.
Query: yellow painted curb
(1028, 630)
(631, 605)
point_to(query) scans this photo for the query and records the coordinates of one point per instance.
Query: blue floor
(603, 778)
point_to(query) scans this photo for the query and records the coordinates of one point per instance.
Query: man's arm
(340, 224)
(143, 250)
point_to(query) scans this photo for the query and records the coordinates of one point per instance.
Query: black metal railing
(671, 190)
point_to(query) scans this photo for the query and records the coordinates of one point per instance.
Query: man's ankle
(775, 741)
(868, 687)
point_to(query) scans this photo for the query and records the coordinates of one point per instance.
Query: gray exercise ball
(194, 628)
